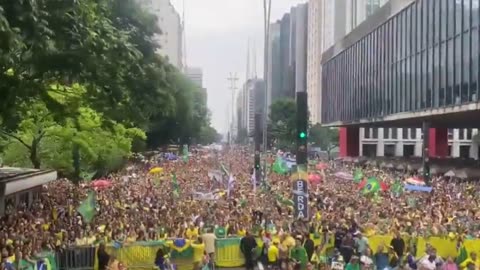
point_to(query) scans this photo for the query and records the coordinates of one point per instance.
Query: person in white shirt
(366, 260)
(428, 263)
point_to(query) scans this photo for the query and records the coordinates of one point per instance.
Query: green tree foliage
(208, 135)
(282, 125)
(80, 82)
(324, 137)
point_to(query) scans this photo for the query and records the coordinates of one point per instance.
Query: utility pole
(426, 152)
(300, 185)
(267, 4)
(233, 87)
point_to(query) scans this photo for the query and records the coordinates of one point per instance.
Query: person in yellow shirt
(198, 252)
(191, 232)
(273, 254)
(473, 259)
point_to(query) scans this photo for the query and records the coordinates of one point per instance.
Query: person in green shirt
(353, 264)
(298, 254)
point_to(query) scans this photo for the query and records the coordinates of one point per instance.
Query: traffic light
(302, 125)
(257, 162)
(258, 141)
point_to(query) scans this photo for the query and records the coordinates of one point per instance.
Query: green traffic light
(303, 135)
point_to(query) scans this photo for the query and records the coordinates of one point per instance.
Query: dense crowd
(141, 206)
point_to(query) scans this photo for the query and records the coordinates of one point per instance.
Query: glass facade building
(424, 57)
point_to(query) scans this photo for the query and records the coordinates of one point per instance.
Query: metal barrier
(79, 258)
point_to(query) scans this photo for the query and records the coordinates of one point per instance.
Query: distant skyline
(217, 32)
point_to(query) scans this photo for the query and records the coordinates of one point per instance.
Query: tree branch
(16, 138)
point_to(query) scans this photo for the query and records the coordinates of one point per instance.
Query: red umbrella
(321, 166)
(101, 184)
(314, 179)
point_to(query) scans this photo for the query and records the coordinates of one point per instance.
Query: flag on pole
(279, 166)
(185, 153)
(358, 176)
(87, 207)
(462, 255)
(176, 186)
(231, 182)
(372, 186)
(254, 181)
(397, 188)
(224, 169)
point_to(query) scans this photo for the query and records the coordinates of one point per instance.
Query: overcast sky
(217, 34)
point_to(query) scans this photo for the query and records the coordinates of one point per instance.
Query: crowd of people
(141, 206)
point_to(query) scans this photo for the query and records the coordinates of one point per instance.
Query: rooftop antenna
(248, 61)
(184, 37)
(254, 59)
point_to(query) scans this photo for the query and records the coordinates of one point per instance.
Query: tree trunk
(34, 154)
(76, 155)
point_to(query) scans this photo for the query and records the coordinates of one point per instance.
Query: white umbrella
(450, 173)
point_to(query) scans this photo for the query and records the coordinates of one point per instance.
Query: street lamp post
(267, 4)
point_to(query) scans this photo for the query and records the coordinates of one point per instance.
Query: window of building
(413, 133)
(393, 132)
(366, 133)
(469, 133)
(404, 133)
(375, 133)
(450, 133)
(461, 134)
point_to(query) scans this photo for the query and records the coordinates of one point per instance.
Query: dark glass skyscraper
(424, 57)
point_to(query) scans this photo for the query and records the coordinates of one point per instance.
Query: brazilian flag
(87, 207)
(372, 186)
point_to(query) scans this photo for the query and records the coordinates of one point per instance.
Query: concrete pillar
(474, 146)
(438, 142)
(381, 143)
(349, 141)
(399, 144)
(362, 136)
(418, 149)
(474, 151)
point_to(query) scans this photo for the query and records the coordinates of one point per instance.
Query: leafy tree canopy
(81, 82)
(282, 127)
(324, 137)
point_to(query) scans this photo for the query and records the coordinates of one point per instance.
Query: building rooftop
(7, 173)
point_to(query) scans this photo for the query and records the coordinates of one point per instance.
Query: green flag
(176, 186)
(224, 170)
(279, 166)
(284, 201)
(185, 153)
(397, 187)
(357, 178)
(462, 255)
(87, 207)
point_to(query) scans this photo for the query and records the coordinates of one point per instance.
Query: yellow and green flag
(87, 207)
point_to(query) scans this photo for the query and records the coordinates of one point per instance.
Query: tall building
(427, 47)
(314, 53)
(288, 41)
(274, 76)
(328, 22)
(250, 100)
(195, 74)
(170, 40)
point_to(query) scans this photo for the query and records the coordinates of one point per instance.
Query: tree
(80, 82)
(324, 137)
(283, 122)
(37, 124)
(208, 135)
